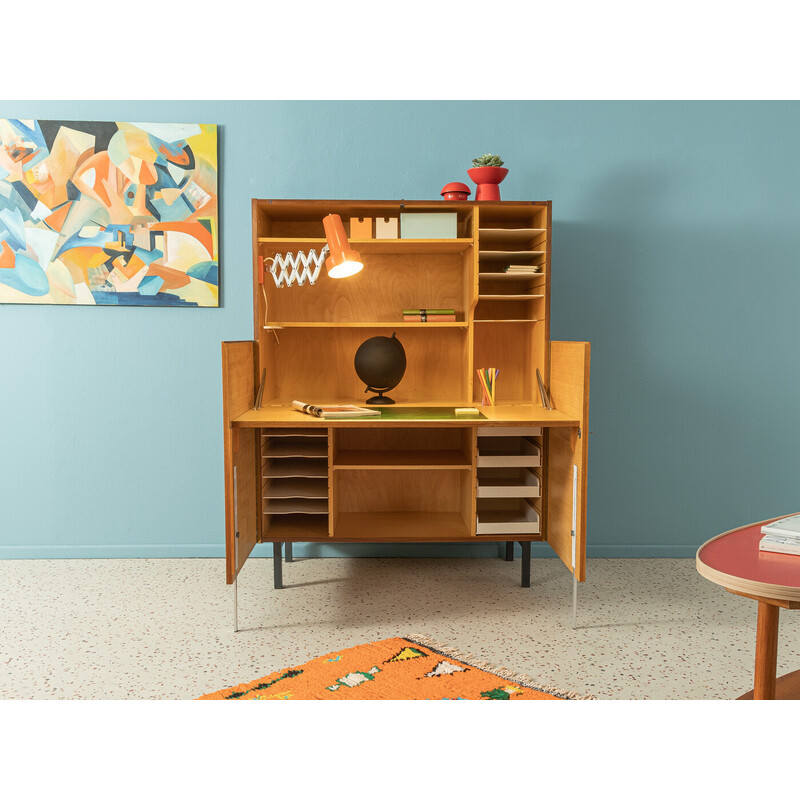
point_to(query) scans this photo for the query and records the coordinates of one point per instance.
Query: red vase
(488, 180)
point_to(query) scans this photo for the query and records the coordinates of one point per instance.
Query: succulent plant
(487, 160)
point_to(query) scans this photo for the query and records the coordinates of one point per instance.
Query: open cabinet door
(567, 455)
(241, 456)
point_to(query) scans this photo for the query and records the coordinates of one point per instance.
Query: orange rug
(394, 669)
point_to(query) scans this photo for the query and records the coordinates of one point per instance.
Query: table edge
(766, 590)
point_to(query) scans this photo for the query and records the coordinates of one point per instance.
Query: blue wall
(675, 252)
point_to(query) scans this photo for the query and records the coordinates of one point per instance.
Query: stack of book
(522, 269)
(429, 315)
(781, 536)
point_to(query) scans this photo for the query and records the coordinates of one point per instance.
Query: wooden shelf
(303, 448)
(510, 276)
(509, 452)
(295, 487)
(507, 517)
(372, 246)
(281, 432)
(504, 255)
(401, 526)
(279, 325)
(507, 320)
(401, 459)
(296, 506)
(522, 482)
(297, 528)
(510, 296)
(296, 468)
(510, 234)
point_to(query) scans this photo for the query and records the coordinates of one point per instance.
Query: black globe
(381, 363)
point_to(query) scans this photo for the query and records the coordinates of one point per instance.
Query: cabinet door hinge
(580, 433)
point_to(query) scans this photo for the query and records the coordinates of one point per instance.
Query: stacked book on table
(429, 315)
(781, 536)
(522, 269)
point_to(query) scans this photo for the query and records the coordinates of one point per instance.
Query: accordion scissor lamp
(340, 260)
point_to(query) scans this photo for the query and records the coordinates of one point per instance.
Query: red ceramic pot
(488, 180)
(456, 191)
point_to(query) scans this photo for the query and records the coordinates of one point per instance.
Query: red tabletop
(734, 561)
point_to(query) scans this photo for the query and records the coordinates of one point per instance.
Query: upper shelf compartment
(284, 219)
(397, 275)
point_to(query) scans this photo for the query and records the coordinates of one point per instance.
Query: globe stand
(380, 400)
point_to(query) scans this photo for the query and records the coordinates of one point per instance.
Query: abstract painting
(108, 213)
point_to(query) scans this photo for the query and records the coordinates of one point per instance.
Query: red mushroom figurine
(456, 191)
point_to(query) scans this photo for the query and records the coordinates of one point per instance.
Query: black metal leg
(277, 563)
(288, 552)
(509, 551)
(526, 564)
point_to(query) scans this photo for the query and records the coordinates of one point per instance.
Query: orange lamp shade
(342, 261)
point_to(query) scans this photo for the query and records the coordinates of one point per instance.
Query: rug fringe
(502, 672)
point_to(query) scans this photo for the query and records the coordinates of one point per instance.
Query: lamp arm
(290, 268)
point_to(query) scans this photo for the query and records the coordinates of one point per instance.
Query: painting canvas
(108, 213)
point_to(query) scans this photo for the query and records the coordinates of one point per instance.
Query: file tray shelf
(511, 517)
(508, 482)
(294, 482)
(509, 451)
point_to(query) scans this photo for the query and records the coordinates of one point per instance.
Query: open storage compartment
(415, 504)
(435, 354)
(403, 448)
(396, 278)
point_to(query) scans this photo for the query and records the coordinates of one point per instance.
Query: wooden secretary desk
(418, 473)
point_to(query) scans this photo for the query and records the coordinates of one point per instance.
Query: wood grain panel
(379, 293)
(567, 448)
(409, 526)
(401, 490)
(508, 347)
(240, 447)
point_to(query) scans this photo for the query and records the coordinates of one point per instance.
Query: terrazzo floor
(163, 628)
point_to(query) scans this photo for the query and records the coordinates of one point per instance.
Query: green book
(429, 311)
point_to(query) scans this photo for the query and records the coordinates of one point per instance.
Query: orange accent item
(342, 261)
(392, 669)
(361, 227)
(7, 257)
(260, 270)
(56, 219)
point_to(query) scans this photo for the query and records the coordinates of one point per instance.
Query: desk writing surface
(285, 415)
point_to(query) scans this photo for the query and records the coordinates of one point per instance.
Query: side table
(734, 561)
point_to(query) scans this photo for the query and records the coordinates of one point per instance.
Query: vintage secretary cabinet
(517, 473)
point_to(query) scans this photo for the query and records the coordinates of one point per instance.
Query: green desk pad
(420, 413)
